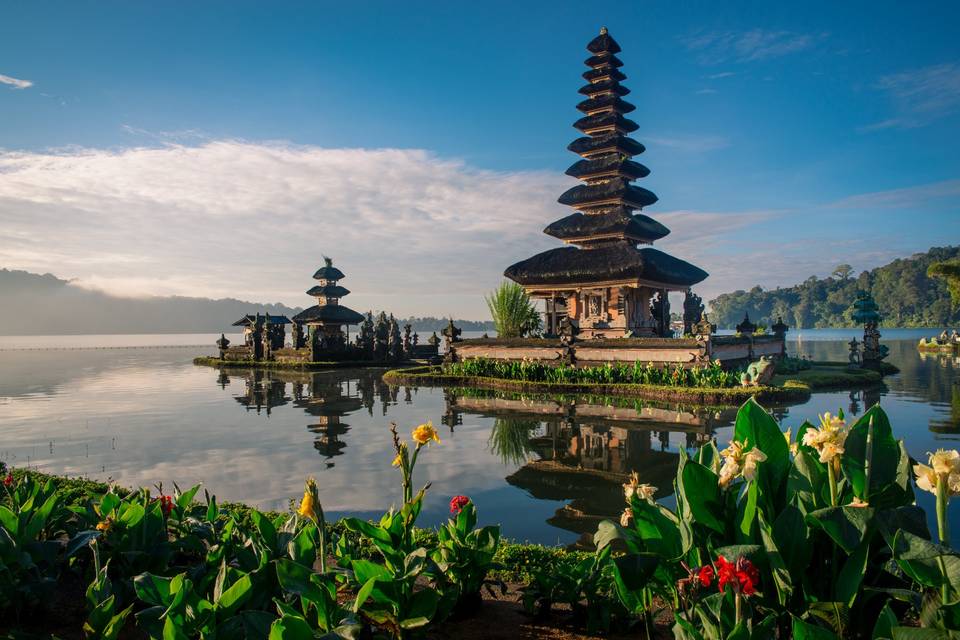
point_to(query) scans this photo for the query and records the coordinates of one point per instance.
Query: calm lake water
(139, 412)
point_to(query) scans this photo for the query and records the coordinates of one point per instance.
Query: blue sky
(422, 144)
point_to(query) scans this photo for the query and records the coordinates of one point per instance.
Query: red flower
(705, 575)
(457, 503)
(166, 503)
(743, 576)
(8, 481)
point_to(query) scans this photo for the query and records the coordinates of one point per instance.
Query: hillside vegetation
(906, 295)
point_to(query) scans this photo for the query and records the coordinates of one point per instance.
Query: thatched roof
(615, 261)
(610, 164)
(613, 143)
(583, 195)
(603, 86)
(328, 271)
(606, 101)
(582, 225)
(605, 119)
(603, 60)
(329, 313)
(328, 290)
(603, 43)
(606, 72)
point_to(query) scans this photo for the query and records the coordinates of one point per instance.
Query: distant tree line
(431, 323)
(907, 295)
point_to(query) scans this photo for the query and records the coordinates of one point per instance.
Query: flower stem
(943, 531)
(832, 479)
(737, 601)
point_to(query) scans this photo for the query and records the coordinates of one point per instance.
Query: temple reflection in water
(578, 451)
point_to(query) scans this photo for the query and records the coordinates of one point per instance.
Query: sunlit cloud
(717, 47)
(920, 96)
(15, 83)
(933, 194)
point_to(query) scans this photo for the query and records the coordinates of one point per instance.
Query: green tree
(948, 270)
(514, 314)
(842, 272)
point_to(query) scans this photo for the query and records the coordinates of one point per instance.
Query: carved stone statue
(257, 338)
(394, 341)
(854, 356)
(297, 338)
(407, 341)
(692, 311)
(451, 333)
(660, 310)
(222, 345)
(746, 327)
(758, 373)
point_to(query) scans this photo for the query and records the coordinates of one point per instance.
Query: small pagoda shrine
(866, 311)
(611, 282)
(326, 319)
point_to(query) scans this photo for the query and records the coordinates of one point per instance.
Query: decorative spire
(607, 199)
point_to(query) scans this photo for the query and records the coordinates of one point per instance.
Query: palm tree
(514, 314)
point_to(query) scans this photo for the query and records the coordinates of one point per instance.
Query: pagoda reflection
(582, 452)
(328, 397)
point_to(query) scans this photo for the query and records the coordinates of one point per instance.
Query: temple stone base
(729, 351)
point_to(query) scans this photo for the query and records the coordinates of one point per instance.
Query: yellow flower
(750, 461)
(425, 433)
(944, 465)
(396, 461)
(739, 463)
(105, 525)
(308, 505)
(944, 462)
(828, 438)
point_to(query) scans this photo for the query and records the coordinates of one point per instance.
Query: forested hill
(907, 297)
(36, 304)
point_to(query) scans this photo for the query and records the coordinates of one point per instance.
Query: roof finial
(603, 31)
(328, 261)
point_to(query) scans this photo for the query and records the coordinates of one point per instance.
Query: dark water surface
(546, 468)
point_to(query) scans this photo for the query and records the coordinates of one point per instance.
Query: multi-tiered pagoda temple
(327, 318)
(606, 284)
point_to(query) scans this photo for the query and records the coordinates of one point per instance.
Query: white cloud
(716, 47)
(689, 143)
(15, 83)
(920, 195)
(920, 96)
(413, 232)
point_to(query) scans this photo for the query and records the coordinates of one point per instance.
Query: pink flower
(705, 575)
(457, 503)
(8, 481)
(743, 576)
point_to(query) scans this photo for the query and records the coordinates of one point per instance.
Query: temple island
(606, 293)
(320, 335)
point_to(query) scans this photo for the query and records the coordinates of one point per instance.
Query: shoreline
(793, 387)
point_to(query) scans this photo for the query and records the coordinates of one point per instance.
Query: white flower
(739, 463)
(635, 488)
(944, 465)
(626, 518)
(828, 438)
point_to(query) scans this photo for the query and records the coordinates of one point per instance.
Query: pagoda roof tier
(612, 164)
(605, 120)
(614, 192)
(606, 72)
(328, 271)
(331, 313)
(328, 290)
(249, 320)
(603, 86)
(607, 101)
(603, 43)
(618, 223)
(616, 262)
(610, 143)
(609, 60)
